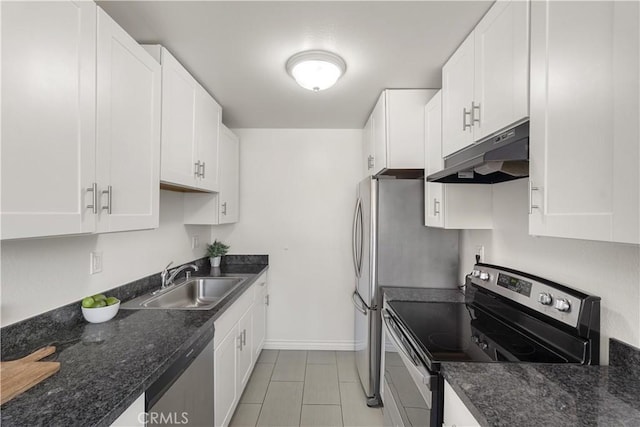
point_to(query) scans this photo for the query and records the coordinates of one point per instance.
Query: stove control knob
(484, 276)
(545, 298)
(562, 305)
(475, 273)
(483, 345)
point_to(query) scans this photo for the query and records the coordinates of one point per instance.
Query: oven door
(412, 394)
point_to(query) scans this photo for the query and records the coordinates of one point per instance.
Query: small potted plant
(215, 252)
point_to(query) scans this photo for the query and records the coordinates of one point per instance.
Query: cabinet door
(260, 318)
(48, 118)
(367, 147)
(501, 68)
(585, 120)
(245, 355)
(128, 131)
(379, 135)
(207, 132)
(433, 160)
(455, 411)
(226, 391)
(229, 196)
(457, 94)
(405, 127)
(179, 154)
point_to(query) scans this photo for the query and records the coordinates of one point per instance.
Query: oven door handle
(428, 379)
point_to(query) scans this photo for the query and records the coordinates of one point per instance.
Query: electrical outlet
(480, 252)
(195, 242)
(95, 265)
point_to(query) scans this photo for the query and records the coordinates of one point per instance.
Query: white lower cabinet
(235, 353)
(456, 413)
(133, 416)
(260, 316)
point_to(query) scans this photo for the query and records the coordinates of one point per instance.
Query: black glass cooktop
(449, 332)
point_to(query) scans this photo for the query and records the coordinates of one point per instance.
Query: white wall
(297, 199)
(41, 274)
(608, 270)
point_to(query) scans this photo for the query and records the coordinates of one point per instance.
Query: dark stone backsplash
(21, 338)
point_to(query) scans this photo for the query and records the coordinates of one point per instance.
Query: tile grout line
(304, 379)
(268, 385)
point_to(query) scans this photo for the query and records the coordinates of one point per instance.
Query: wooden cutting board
(18, 376)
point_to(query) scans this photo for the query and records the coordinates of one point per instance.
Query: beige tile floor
(305, 388)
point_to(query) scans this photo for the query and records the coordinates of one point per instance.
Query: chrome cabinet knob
(545, 298)
(562, 305)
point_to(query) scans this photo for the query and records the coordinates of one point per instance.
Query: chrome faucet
(168, 276)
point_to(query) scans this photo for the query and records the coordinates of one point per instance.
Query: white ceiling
(237, 50)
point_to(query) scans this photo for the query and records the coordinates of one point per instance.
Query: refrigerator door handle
(357, 238)
(355, 298)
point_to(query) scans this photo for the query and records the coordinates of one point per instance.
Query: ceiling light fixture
(316, 70)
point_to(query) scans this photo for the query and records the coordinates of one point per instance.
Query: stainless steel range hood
(503, 157)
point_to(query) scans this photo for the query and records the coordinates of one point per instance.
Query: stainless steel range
(508, 316)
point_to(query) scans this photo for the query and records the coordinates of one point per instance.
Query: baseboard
(308, 345)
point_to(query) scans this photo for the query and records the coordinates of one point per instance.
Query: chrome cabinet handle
(94, 198)
(475, 107)
(203, 173)
(531, 190)
(224, 208)
(370, 162)
(465, 113)
(266, 299)
(109, 192)
(244, 337)
(436, 207)
(197, 169)
(239, 342)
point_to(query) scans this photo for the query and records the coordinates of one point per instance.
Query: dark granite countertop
(523, 394)
(106, 366)
(514, 394)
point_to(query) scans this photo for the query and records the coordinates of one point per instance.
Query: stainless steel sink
(198, 293)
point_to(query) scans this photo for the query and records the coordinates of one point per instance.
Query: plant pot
(215, 261)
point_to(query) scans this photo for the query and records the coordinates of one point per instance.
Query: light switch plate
(480, 252)
(195, 242)
(95, 265)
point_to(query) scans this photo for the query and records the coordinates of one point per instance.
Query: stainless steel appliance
(499, 158)
(392, 247)
(509, 316)
(183, 395)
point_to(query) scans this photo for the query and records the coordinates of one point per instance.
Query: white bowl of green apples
(100, 308)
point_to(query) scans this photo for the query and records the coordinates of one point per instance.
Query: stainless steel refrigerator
(392, 247)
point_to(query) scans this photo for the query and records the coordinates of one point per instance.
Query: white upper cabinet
(208, 117)
(367, 147)
(48, 118)
(190, 127)
(222, 207)
(501, 78)
(457, 97)
(584, 135)
(229, 195)
(485, 82)
(396, 131)
(128, 131)
(92, 162)
(456, 206)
